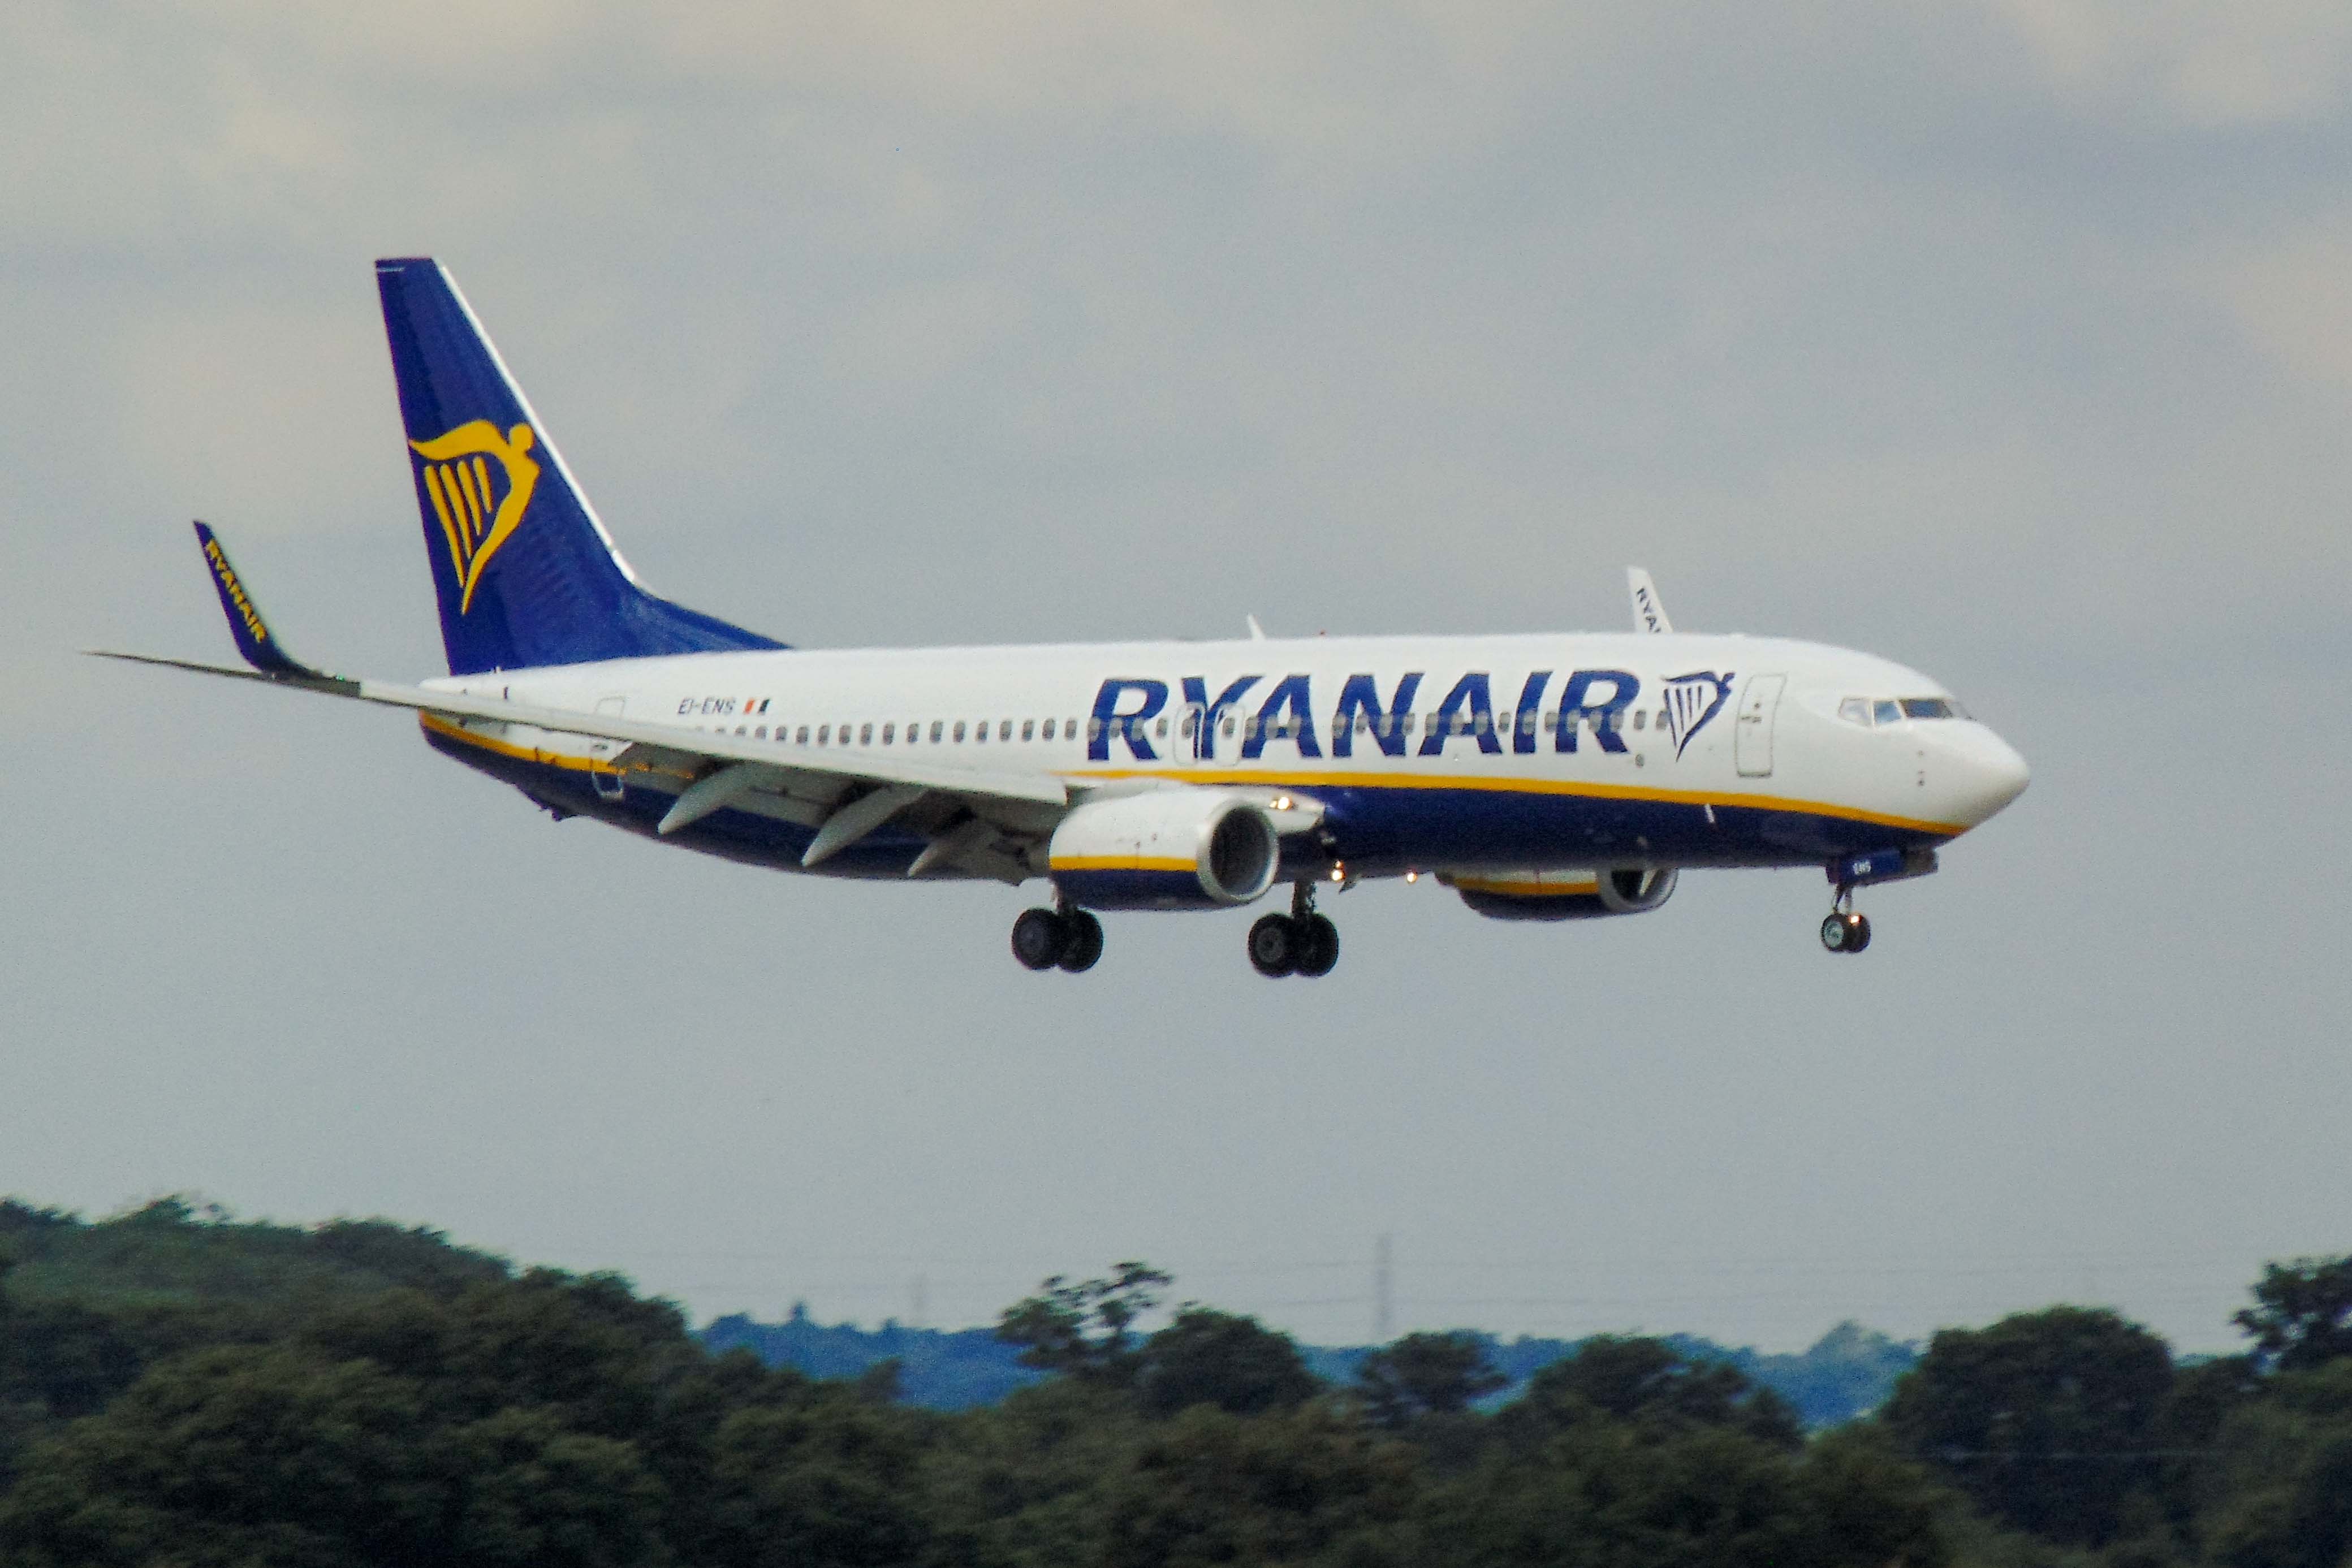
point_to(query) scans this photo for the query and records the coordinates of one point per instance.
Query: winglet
(1648, 614)
(254, 642)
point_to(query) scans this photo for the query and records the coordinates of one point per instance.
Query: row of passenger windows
(942, 731)
(1870, 711)
(957, 731)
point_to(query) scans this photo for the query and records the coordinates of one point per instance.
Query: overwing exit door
(606, 778)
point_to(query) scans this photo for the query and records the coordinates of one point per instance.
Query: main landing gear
(1068, 937)
(1845, 929)
(1299, 943)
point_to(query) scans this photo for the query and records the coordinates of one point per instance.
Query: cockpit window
(1928, 708)
(1887, 712)
(1855, 710)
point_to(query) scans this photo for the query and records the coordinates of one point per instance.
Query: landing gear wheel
(1040, 937)
(1319, 944)
(1274, 944)
(1845, 932)
(1085, 941)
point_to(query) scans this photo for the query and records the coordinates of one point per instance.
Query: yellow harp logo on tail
(478, 482)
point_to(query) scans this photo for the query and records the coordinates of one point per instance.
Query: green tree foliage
(1649, 1386)
(2048, 1420)
(2283, 1492)
(1084, 1330)
(178, 1388)
(2302, 1316)
(1236, 1364)
(825, 1483)
(1612, 1493)
(1425, 1375)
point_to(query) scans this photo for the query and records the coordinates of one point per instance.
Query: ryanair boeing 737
(1548, 777)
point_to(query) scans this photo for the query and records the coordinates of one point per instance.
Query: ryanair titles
(235, 591)
(1134, 712)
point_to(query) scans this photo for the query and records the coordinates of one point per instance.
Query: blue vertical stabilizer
(525, 573)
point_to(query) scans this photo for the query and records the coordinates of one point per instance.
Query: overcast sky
(2011, 341)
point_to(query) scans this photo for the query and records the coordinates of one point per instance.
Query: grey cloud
(2005, 341)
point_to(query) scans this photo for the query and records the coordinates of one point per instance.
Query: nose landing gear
(1299, 943)
(1845, 929)
(1068, 937)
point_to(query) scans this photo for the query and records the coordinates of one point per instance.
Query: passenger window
(823, 730)
(1640, 718)
(959, 730)
(761, 732)
(979, 731)
(1004, 730)
(803, 736)
(1662, 719)
(1886, 713)
(890, 733)
(1094, 729)
(866, 735)
(1162, 729)
(1229, 727)
(1855, 710)
(1049, 729)
(1028, 729)
(935, 730)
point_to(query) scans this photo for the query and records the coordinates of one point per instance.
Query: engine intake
(1632, 890)
(1165, 849)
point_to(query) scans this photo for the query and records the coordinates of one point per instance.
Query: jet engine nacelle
(1165, 849)
(1563, 894)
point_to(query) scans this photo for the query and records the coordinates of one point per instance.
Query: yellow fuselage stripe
(1328, 780)
(1333, 781)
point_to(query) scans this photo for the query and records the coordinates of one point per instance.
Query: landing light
(1339, 873)
(1412, 876)
(1281, 802)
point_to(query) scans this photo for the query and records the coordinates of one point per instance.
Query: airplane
(1552, 776)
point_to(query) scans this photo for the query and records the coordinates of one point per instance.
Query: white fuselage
(1464, 756)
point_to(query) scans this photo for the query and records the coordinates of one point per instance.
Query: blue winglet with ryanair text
(254, 641)
(524, 572)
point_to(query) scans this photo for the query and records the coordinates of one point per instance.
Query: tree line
(177, 1388)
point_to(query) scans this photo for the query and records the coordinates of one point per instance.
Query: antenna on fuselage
(1649, 612)
(1257, 633)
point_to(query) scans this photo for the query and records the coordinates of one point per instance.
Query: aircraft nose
(1992, 773)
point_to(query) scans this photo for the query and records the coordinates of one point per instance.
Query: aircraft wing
(865, 765)
(845, 792)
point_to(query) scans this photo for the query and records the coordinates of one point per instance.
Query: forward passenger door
(1751, 739)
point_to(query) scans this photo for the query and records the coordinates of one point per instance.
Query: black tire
(1319, 946)
(1857, 934)
(1039, 938)
(1085, 941)
(1833, 933)
(1273, 946)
